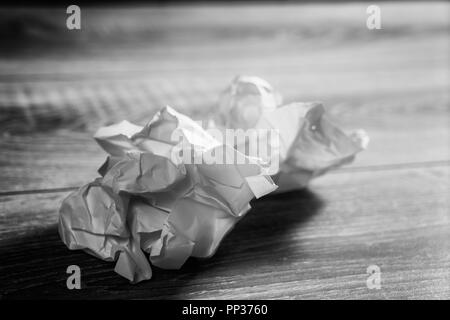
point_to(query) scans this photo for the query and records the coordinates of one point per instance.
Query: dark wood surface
(389, 208)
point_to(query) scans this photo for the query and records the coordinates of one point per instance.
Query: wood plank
(178, 33)
(70, 159)
(394, 76)
(314, 243)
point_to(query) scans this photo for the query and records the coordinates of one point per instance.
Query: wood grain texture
(314, 243)
(390, 208)
(71, 159)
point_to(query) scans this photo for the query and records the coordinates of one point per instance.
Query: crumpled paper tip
(151, 208)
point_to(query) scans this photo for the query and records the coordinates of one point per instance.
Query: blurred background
(129, 60)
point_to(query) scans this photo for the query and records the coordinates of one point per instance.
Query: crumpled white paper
(309, 143)
(153, 206)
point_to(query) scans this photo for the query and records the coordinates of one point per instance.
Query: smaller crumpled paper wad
(150, 201)
(308, 143)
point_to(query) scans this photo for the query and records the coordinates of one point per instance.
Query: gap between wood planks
(369, 168)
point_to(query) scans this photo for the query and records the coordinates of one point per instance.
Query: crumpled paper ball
(160, 199)
(149, 200)
(309, 144)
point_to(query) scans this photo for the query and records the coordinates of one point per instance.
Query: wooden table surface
(390, 208)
